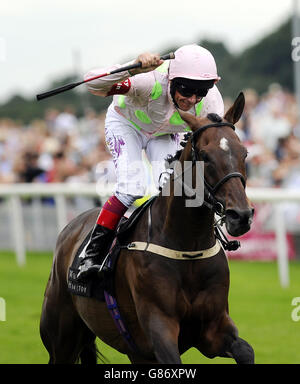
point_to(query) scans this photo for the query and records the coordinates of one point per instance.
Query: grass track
(259, 306)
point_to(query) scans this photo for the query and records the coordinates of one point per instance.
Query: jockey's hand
(149, 61)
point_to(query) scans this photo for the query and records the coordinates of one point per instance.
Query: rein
(211, 201)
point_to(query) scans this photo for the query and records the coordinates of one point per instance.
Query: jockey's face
(186, 103)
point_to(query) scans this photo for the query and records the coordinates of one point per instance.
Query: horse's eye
(204, 156)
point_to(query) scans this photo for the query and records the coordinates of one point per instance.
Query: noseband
(209, 190)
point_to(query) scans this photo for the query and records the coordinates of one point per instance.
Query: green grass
(260, 308)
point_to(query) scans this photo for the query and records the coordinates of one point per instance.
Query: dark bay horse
(169, 305)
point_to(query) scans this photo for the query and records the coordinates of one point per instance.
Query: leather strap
(173, 254)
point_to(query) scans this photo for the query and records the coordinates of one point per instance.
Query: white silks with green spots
(148, 105)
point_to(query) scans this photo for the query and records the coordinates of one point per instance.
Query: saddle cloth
(95, 287)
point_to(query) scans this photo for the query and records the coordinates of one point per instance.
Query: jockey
(144, 115)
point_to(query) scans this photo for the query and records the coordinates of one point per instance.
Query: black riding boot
(95, 251)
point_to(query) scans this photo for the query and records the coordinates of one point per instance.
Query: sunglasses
(189, 92)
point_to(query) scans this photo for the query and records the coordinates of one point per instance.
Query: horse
(169, 304)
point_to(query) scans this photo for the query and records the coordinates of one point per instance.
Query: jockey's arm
(122, 82)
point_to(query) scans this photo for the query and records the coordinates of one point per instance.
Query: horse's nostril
(232, 214)
(243, 216)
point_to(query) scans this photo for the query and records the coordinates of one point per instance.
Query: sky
(42, 41)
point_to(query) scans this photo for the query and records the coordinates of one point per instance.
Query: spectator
(65, 123)
(63, 168)
(26, 168)
(261, 164)
(287, 174)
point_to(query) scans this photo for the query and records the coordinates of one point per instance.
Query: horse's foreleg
(221, 339)
(234, 346)
(163, 334)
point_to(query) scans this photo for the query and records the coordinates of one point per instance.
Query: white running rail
(60, 192)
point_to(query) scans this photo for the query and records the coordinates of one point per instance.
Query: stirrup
(104, 267)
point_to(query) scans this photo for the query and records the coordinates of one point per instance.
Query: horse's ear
(191, 120)
(235, 112)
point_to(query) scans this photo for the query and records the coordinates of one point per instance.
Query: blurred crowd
(64, 148)
(270, 129)
(57, 149)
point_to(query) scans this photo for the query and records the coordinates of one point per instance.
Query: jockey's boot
(95, 251)
(101, 238)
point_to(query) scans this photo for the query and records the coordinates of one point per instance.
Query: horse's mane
(170, 159)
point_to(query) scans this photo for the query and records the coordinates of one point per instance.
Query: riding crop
(67, 87)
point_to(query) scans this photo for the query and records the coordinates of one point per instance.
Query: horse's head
(215, 142)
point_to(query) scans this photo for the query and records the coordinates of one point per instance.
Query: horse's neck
(182, 226)
(186, 226)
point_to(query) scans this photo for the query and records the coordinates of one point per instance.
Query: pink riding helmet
(193, 62)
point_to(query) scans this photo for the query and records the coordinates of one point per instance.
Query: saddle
(95, 287)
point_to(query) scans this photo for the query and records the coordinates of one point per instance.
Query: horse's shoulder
(83, 218)
(77, 229)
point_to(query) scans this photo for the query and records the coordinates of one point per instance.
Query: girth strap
(173, 254)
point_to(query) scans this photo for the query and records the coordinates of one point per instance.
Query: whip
(67, 87)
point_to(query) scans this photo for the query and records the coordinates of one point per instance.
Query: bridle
(210, 199)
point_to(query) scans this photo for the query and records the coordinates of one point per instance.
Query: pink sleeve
(102, 86)
(138, 86)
